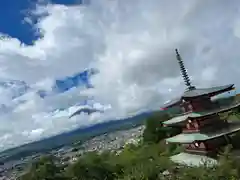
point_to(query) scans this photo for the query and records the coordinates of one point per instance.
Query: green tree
(91, 166)
(44, 169)
(154, 129)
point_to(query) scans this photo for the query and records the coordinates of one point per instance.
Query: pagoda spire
(184, 72)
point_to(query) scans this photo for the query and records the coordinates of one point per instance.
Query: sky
(13, 14)
(131, 45)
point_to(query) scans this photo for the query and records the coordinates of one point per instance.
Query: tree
(44, 168)
(154, 129)
(91, 166)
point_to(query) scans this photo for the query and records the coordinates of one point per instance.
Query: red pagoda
(203, 132)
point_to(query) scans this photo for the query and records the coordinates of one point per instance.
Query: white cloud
(132, 44)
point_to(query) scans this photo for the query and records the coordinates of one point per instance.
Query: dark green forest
(149, 160)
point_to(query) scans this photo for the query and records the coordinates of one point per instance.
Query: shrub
(155, 131)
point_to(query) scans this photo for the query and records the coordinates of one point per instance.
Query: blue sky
(12, 15)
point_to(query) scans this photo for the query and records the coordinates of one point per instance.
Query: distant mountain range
(85, 133)
(68, 138)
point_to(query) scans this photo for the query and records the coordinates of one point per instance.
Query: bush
(155, 131)
(44, 168)
(92, 166)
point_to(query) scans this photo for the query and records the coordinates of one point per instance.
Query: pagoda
(203, 132)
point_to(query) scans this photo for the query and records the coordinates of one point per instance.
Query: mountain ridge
(68, 138)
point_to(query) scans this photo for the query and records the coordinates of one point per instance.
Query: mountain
(68, 138)
(85, 133)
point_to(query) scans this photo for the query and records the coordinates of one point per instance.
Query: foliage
(143, 162)
(44, 168)
(154, 130)
(92, 166)
(149, 160)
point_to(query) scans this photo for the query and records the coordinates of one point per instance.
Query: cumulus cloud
(132, 45)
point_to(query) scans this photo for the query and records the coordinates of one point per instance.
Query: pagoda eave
(176, 120)
(187, 138)
(198, 93)
(208, 91)
(172, 103)
(179, 120)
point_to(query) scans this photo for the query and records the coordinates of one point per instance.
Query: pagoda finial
(184, 72)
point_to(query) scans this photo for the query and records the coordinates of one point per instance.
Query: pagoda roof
(184, 117)
(186, 138)
(172, 102)
(180, 119)
(193, 93)
(193, 160)
(207, 91)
